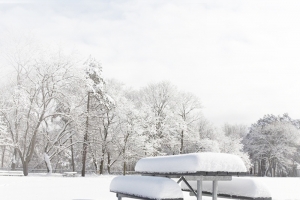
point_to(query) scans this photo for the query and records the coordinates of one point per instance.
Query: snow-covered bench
(146, 187)
(11, 173)
(69, 174)
(238, 188)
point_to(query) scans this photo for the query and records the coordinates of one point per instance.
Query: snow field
(210, 162)
(282, 188)
(56, 187)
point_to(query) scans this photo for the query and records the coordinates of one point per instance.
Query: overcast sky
(241, 58)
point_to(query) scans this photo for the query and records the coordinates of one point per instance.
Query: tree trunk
(124, 168)
(48, 170)
(3, 156)
(254, 167)
(14, 160)
(48, 163)
(181, 142)
(263, 167)
(25, 168)
(94, 161)
(267, 168)
(101, 166)
(72, 155)
(108, 162)
(273, 168)
(85, 139)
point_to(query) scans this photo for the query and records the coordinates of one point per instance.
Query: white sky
(240, 57)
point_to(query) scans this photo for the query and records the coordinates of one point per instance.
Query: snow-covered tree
(272, 143)
(188, 106)
(39, 88)
(161, 121)
(231, 142)
(98, 101)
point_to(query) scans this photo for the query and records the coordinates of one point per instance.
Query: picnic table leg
(199, 190)
(119, 197)
(215, 190)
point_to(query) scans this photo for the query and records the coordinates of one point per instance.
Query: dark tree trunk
(85, 139)
(181, 142)
(72, 154)
(13, 164)
(101, 166)
(25, 168)
(108, 162)
(94, 161)
(3, 156)
(259, 168)
(124, 168)
(263, 167)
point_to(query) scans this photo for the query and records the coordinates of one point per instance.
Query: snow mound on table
(146, 186)
(194, 162)
(239, 186)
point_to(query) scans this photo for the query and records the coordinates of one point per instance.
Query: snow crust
(239, 186)
(189, 163)
(146, 186)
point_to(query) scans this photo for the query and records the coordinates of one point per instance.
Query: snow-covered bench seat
(11, 173)
(146, 187)
(237, 188)
(69, 174)
(207, 164)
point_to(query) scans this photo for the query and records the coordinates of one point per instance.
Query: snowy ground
(41, 187)
(56, 187)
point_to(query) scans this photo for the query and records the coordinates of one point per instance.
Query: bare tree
(39, 89)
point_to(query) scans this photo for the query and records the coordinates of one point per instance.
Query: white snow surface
(282, 188)
(56, 187)
(239, 186)
(146, 186)
(194, 162)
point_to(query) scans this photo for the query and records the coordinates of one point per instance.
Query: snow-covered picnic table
(197, 167)
(11, 173)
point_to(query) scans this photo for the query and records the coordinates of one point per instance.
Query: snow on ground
(56, 187)
(193, 162)
(282, 188)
